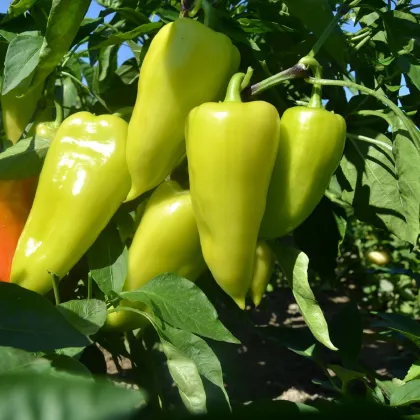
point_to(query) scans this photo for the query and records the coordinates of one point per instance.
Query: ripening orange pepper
(16, 196)
(15, 203)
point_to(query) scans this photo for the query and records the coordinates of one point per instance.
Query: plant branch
(374, 113)
(55, 279)
(86, 88)
(407, 123)
(327, 32)
(369, 140)
(295, 72)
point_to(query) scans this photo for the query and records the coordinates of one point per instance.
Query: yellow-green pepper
(312, 143)
(263, 270)
(187, 64)
(17, 112)
(166, 241)
(231, 149)
(82, 183)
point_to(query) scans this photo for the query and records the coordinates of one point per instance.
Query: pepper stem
(58, 113)
(55, 279)
(195, 9)
(237, 84)
(316, 97)
(233, 92)
(210, 19)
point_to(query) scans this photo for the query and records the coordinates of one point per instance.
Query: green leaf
(387, 387)
(60, 32)
(185, 374)
(346, 375)
(112, 4)
(108, 261)
(24, 159)
(87, 26)
(87, 316)
(70, 96)
(294, 264)
(30, 322)
(298, 340)
(408, 393)
(197, 350)
(21, 61)
(407, 161)
(15, 361)
(47, 397)
(182, 304)
(371, 184)
(316, 15)
(413, 372)
(409, 327)
(17, 7)
(411, 68)
(119, 38)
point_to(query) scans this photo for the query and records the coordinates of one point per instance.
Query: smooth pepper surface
(16, 196)
(82, 183)
(231, 149)
(166, 241)
(15, 204)
(312, 143)
(263, 270)
(187, 64)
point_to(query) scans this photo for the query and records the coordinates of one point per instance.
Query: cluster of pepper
(252, 176)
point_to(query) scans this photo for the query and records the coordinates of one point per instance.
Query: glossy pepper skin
(263, 270)
(15, 203)
(82, 183)
(16, 196)
(312, 143)
(231, 149)
(17, 112)
(187, 64)
(166, 241)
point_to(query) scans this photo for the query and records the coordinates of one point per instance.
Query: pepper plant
(145, 220)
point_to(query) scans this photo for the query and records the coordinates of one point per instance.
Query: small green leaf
(413, 372)
(30, 322)
(198, 351)
(316, 15)
(412, 69)
(119, 38)
(408, 393)
(17, 7)
(182, 304)
(402, 324)
(59, 34)
(185, 374)
(15, 361)
(294, 264)
(21, 61)
(346, 375)
(87, 316)
(46, 397)
(372, 185)
(24, 159)
(299, 340)
(108, 261)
